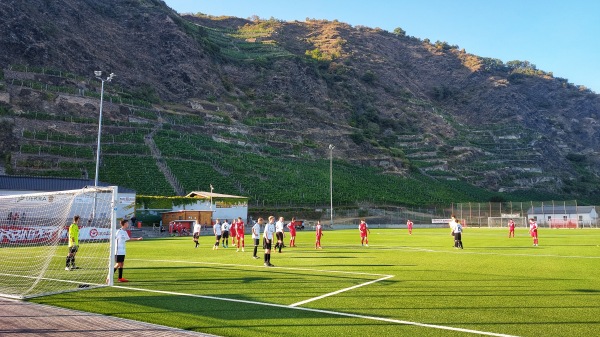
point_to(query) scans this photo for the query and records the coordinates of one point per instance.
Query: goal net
(498, 221)
(34, 241)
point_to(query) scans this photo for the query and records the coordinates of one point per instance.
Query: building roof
(49, 184)
(208, 195)
(560, 209)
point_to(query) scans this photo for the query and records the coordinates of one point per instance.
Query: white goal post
(34, 241)
(502, 221)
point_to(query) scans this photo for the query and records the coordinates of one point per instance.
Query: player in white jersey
(121, 237)
(256, 235)
(457, 231)
(225, 231)
(217, 232)
(268, 240)
(452, 224)
(196, 236)
(279, 233)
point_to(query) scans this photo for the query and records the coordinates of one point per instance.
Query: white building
(224, 206)
(561, 216)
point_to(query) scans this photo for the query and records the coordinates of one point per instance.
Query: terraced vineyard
(248, 157)
(246, 44)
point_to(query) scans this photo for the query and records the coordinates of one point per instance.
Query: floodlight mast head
(98, 74)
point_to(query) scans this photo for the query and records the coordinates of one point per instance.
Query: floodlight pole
(331, 147)
(211, 193)
(98, 74)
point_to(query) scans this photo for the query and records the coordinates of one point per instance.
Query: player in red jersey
(233, 231)
(409, 225)
(240, 233)
(533, 230)
(363, 228)
(292, 228)
(319, 234)
(511, 228)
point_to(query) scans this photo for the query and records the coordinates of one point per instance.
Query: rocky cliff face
(390, 101)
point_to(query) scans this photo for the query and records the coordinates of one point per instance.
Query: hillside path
(160, 162)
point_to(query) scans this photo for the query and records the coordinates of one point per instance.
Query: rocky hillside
(386, 100)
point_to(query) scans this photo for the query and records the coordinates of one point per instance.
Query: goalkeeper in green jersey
(73, 244)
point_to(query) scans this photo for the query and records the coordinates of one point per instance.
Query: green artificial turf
(495, 285)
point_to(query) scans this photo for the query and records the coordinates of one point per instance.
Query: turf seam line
(339, 291)
(492, 253)
(262, 267)
(335, 313)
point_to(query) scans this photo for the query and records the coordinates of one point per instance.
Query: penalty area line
(334, 313)
(339, 291)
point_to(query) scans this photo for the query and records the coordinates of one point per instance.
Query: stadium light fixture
(98, 74)
(331, 147)
(211, 195)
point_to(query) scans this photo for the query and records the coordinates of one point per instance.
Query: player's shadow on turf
(502, 247)
(591, 291)
(368, 265)
(325, 257)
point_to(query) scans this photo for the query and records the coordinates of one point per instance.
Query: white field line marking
(339, 291)
(381, 319)
(53, 279)
(462, 251)
(382, 276)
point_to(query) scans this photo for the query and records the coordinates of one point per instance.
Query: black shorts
(267, 245)
(458, 236)
(73, 249)
(218, 237)
(119, 258)
(279, 236)
(196, 236)
(256, 241)
(225, 234)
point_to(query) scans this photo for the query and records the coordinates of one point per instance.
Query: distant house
(13, 185)
(561, 216)
(224, 206)
(187, 219)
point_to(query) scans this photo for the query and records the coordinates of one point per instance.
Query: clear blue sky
(559, 36)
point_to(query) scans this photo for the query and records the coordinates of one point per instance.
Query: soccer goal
(500, 221)
(34, 241)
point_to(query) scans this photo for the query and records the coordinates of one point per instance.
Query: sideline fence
(549, 214)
